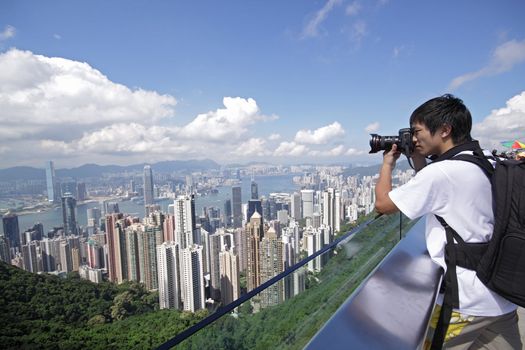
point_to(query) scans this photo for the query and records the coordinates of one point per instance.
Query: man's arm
(384, 204)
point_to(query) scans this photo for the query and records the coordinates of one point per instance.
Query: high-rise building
(254, 235)
(229, 276)
(271, 261)
(168, 228)
(148, 238)
(93, 217)
(148, 186)
(50, 250)
(227, 213)
(132, 251)
(295, 206)
(186, 232)
(81, 191)
(192, 278)
(236, 206)
(254, 190)
(116, 241)
(5, 255)
(11, 230)
(31, 257)
(254, 205)
(307, 200)
(52, 188)
(69, 214)
(215, 278)
(331, 209)
(66, 260)
(168, 264)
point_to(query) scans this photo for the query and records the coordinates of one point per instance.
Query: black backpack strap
(451, 297)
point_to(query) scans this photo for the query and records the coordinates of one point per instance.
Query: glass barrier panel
(289, 313)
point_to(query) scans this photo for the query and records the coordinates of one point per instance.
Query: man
(460, 193)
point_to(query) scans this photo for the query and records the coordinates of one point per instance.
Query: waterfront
(266, 185)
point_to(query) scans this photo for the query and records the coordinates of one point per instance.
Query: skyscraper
(215, 278)
(93, 217)
(331, 209)
(11, 230)
(254, 190)
(169, 275)
(295, 206)
(192, 277)
(148, 238)
(185, 226)
(307, 199)
(254, 235)
(271, 261)
(117, 254)
(227, 213)
(5, 255)
(236, 206)
(52, 193)
(229, 276)
(69, 215)
(254, 205)
(148, 186)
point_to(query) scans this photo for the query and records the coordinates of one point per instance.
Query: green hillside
(48, 312)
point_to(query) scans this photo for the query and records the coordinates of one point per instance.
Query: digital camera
(384, 143)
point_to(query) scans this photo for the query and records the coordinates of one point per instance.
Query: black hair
(446, 109)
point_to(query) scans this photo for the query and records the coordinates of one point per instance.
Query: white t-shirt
(459, 192)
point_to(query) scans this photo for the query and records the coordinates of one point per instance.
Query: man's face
(425, 143)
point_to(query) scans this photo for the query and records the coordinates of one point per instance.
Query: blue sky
(120, 82)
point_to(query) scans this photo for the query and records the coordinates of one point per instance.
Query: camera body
(384, 143)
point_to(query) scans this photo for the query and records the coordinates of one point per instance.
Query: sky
(285, 82)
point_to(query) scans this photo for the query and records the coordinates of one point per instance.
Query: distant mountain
(94, 170)
(22, 173)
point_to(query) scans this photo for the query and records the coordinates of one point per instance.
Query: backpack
(499, 263)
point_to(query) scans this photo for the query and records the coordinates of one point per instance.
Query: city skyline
(124, 83)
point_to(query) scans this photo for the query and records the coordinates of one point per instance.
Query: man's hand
(390, 157)
(384, 204)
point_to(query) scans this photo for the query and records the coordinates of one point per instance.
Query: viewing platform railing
(288, 310)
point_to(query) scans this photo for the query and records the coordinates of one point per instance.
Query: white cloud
(334, 152)
(370, 128)
(312, 28)
(8, 32)
(321, 135)
(507, 123)
(274, 137)
(46, 94)
(503, 59)
(354, 152)
(57, 36)
(292, 149)
(226, 124)
(353, 9)
(252, 147)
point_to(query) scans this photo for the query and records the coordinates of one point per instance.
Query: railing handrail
(228, 308)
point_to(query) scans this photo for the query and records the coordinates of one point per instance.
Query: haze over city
(286, 82)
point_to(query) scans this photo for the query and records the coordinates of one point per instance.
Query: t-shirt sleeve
(424, 193)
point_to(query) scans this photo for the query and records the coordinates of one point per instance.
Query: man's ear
(446, 130)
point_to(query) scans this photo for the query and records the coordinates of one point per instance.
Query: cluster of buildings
(195, 260)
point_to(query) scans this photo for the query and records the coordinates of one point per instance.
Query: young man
(460, 193)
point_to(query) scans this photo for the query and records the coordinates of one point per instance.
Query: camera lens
(382, 143)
